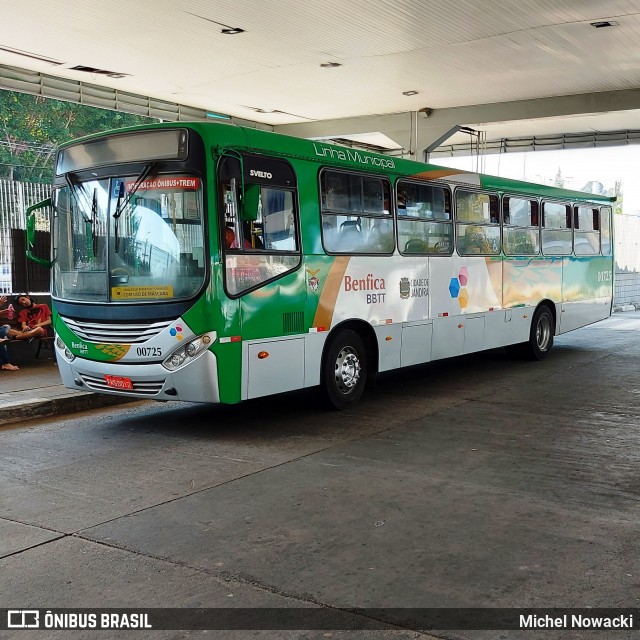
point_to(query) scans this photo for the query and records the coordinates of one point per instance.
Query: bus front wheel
(344, 374)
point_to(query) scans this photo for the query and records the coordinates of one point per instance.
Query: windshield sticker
(165, 183)
(127, 293)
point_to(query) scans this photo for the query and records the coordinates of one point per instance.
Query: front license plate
(118, 382)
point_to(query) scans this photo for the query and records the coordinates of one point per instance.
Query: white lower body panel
(196, 381)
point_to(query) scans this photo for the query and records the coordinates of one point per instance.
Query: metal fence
(16, 274)
(627, 252)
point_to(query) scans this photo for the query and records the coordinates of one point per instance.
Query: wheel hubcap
(347, 370)
(543, 333)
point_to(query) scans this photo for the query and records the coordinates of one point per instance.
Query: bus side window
(520, 234)
(424, 219)
(478, 215)
(261, 243)
(605, 231)
(356, 213)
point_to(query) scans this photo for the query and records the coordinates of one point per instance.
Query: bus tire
(344, 370)
(541, 335)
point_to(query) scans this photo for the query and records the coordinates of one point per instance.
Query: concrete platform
(476, 482)
(36, 391)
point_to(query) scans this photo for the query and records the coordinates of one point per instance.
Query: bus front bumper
(196, 381)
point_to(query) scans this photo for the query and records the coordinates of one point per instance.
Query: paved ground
(477, 482)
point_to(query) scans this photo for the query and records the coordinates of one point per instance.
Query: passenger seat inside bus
(350, 237)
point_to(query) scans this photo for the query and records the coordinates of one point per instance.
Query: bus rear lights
(186, 352)
(68, 356)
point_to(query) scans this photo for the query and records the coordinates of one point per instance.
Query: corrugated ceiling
(452, 53)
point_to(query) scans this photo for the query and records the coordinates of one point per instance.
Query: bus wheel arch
(541, 334)
(349, 359)
(543, 328)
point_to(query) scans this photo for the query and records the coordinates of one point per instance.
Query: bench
(42, 344)
(46, 343)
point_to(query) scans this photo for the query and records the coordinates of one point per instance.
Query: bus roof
(259, 141)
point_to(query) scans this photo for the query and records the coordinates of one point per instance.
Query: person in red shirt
(230, 241)
(34, 319)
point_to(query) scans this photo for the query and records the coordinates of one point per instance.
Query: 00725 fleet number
(605, 276)
(153, 352)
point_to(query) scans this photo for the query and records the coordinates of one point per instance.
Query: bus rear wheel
(540, 337)
(344, 373)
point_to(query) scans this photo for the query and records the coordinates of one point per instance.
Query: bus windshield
(128, 239)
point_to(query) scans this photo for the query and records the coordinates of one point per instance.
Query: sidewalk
(36, 391)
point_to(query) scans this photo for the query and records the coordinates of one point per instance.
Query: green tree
(618, 193)
(32, 127)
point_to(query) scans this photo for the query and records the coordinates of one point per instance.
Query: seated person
(230, 241)
(34, 320)
(4, 352)
(4, 337)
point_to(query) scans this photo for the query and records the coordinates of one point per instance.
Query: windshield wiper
(92, 222)
(73, 185)
(116, 216)
(149, 169)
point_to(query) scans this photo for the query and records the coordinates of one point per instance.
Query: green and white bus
(208, 262)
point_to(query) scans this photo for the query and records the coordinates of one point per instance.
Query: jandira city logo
(413, 288)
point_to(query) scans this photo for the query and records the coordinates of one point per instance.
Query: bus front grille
(146, 387)
(112, 333)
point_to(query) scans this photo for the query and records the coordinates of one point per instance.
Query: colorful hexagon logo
(457, 287)
(454, 287)
(176, 332)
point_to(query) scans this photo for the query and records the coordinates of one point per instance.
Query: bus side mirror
(250, 202)
(31, 232)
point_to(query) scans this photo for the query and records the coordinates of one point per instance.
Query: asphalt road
(477, 482)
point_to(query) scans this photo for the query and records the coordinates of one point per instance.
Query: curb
(17, 412)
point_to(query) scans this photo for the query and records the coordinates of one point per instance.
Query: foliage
(617, 192)
(32, 127)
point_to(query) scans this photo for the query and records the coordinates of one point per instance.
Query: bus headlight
(186, 352)
(68, 356)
